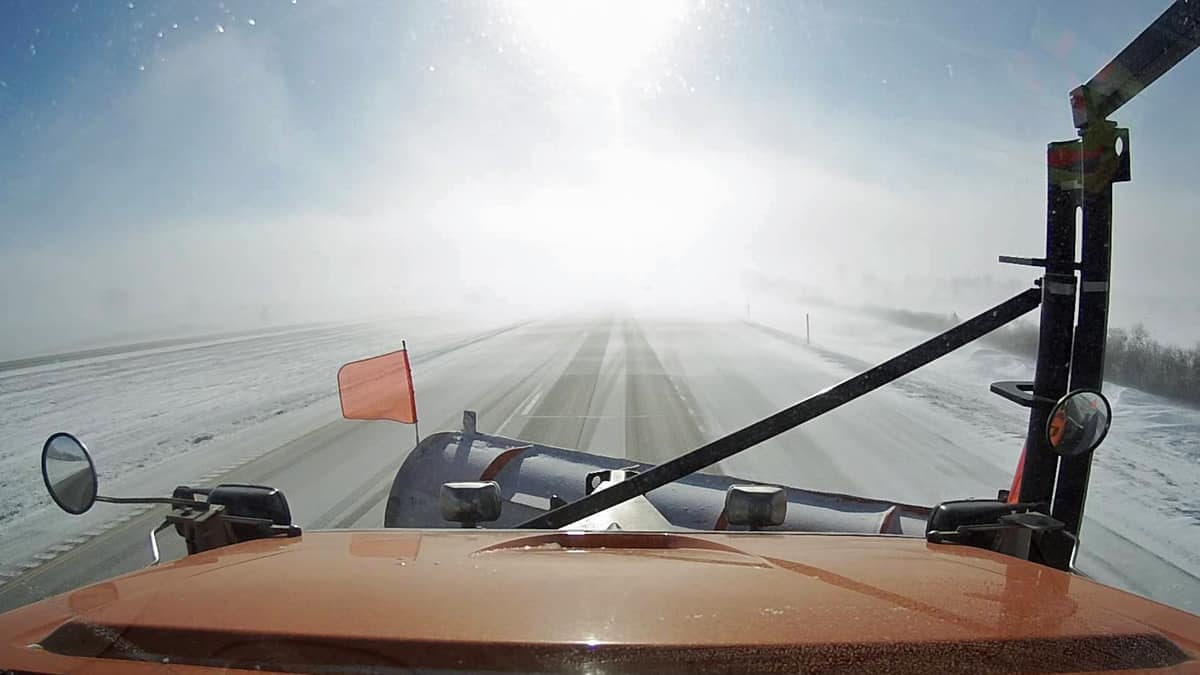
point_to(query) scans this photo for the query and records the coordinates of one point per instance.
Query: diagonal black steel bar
(792, 417)
(1164, 43)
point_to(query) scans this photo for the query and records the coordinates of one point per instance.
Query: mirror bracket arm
(169, 501)
(209, 526)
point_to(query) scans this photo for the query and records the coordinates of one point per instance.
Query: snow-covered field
(201, 405)
(1145, 483)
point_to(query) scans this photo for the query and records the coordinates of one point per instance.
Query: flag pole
(411, 395)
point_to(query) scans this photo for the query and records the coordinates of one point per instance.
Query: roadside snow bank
(156, 418)
(1145, 482)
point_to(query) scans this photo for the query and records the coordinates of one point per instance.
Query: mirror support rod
(1171, 38)
(1105, 148)
(149, 500)
(1103, 167)
(1091, 329)
(1039, 463)
(792, 417)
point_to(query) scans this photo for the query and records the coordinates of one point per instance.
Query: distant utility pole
(807, 330)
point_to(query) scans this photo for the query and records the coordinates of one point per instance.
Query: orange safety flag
(379, 388)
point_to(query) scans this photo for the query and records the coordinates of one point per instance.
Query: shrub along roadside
(1132, 358)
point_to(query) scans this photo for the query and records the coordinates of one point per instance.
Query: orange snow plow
(500, 555)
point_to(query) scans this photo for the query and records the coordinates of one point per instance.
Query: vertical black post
(807, 330)
(411, 394)
(1057, 319)
(1101, 167)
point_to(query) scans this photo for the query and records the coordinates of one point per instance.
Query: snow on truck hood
(597, 602)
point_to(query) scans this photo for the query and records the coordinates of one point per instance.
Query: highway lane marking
(532, 402)
(592, 417)
(154, 347)
(574, 389)
(40, 559)
(19, 570)
(650, 384)
(378, 490)
(129, 514)
(28, 572)
(537, 393)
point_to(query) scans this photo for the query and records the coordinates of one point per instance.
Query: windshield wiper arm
(792, 417)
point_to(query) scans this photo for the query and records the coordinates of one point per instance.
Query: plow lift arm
(1072, 333)
(1074, 326)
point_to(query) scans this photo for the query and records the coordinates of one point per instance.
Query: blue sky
(328, 154)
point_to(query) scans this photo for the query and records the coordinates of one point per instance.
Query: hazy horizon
(174, 166)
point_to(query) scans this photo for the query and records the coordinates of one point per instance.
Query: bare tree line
(1133, 358)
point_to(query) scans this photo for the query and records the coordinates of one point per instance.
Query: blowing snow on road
(262, 408)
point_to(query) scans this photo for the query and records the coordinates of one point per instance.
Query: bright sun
(600, 42)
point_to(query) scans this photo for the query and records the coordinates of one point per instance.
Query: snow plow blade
(531, 476)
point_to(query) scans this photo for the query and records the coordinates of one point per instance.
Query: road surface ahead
(624, 387)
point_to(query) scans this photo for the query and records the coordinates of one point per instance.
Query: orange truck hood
(516, 601)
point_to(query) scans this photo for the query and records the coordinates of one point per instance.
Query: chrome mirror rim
(1059, 406)
(91, 467)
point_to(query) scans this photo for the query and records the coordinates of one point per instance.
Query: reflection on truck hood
(611, 601)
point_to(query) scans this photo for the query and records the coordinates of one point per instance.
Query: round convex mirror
(69, 473)
(1078, 423)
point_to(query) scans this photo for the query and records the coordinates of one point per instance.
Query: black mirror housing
(252, 501)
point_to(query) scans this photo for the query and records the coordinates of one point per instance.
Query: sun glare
(639, 220)
(599, 42)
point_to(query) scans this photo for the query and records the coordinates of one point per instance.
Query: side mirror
(1078, 423)
(252, 501)
(69, 473)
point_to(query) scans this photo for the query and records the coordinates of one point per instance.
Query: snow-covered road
(1142, 529)
(264, 409)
